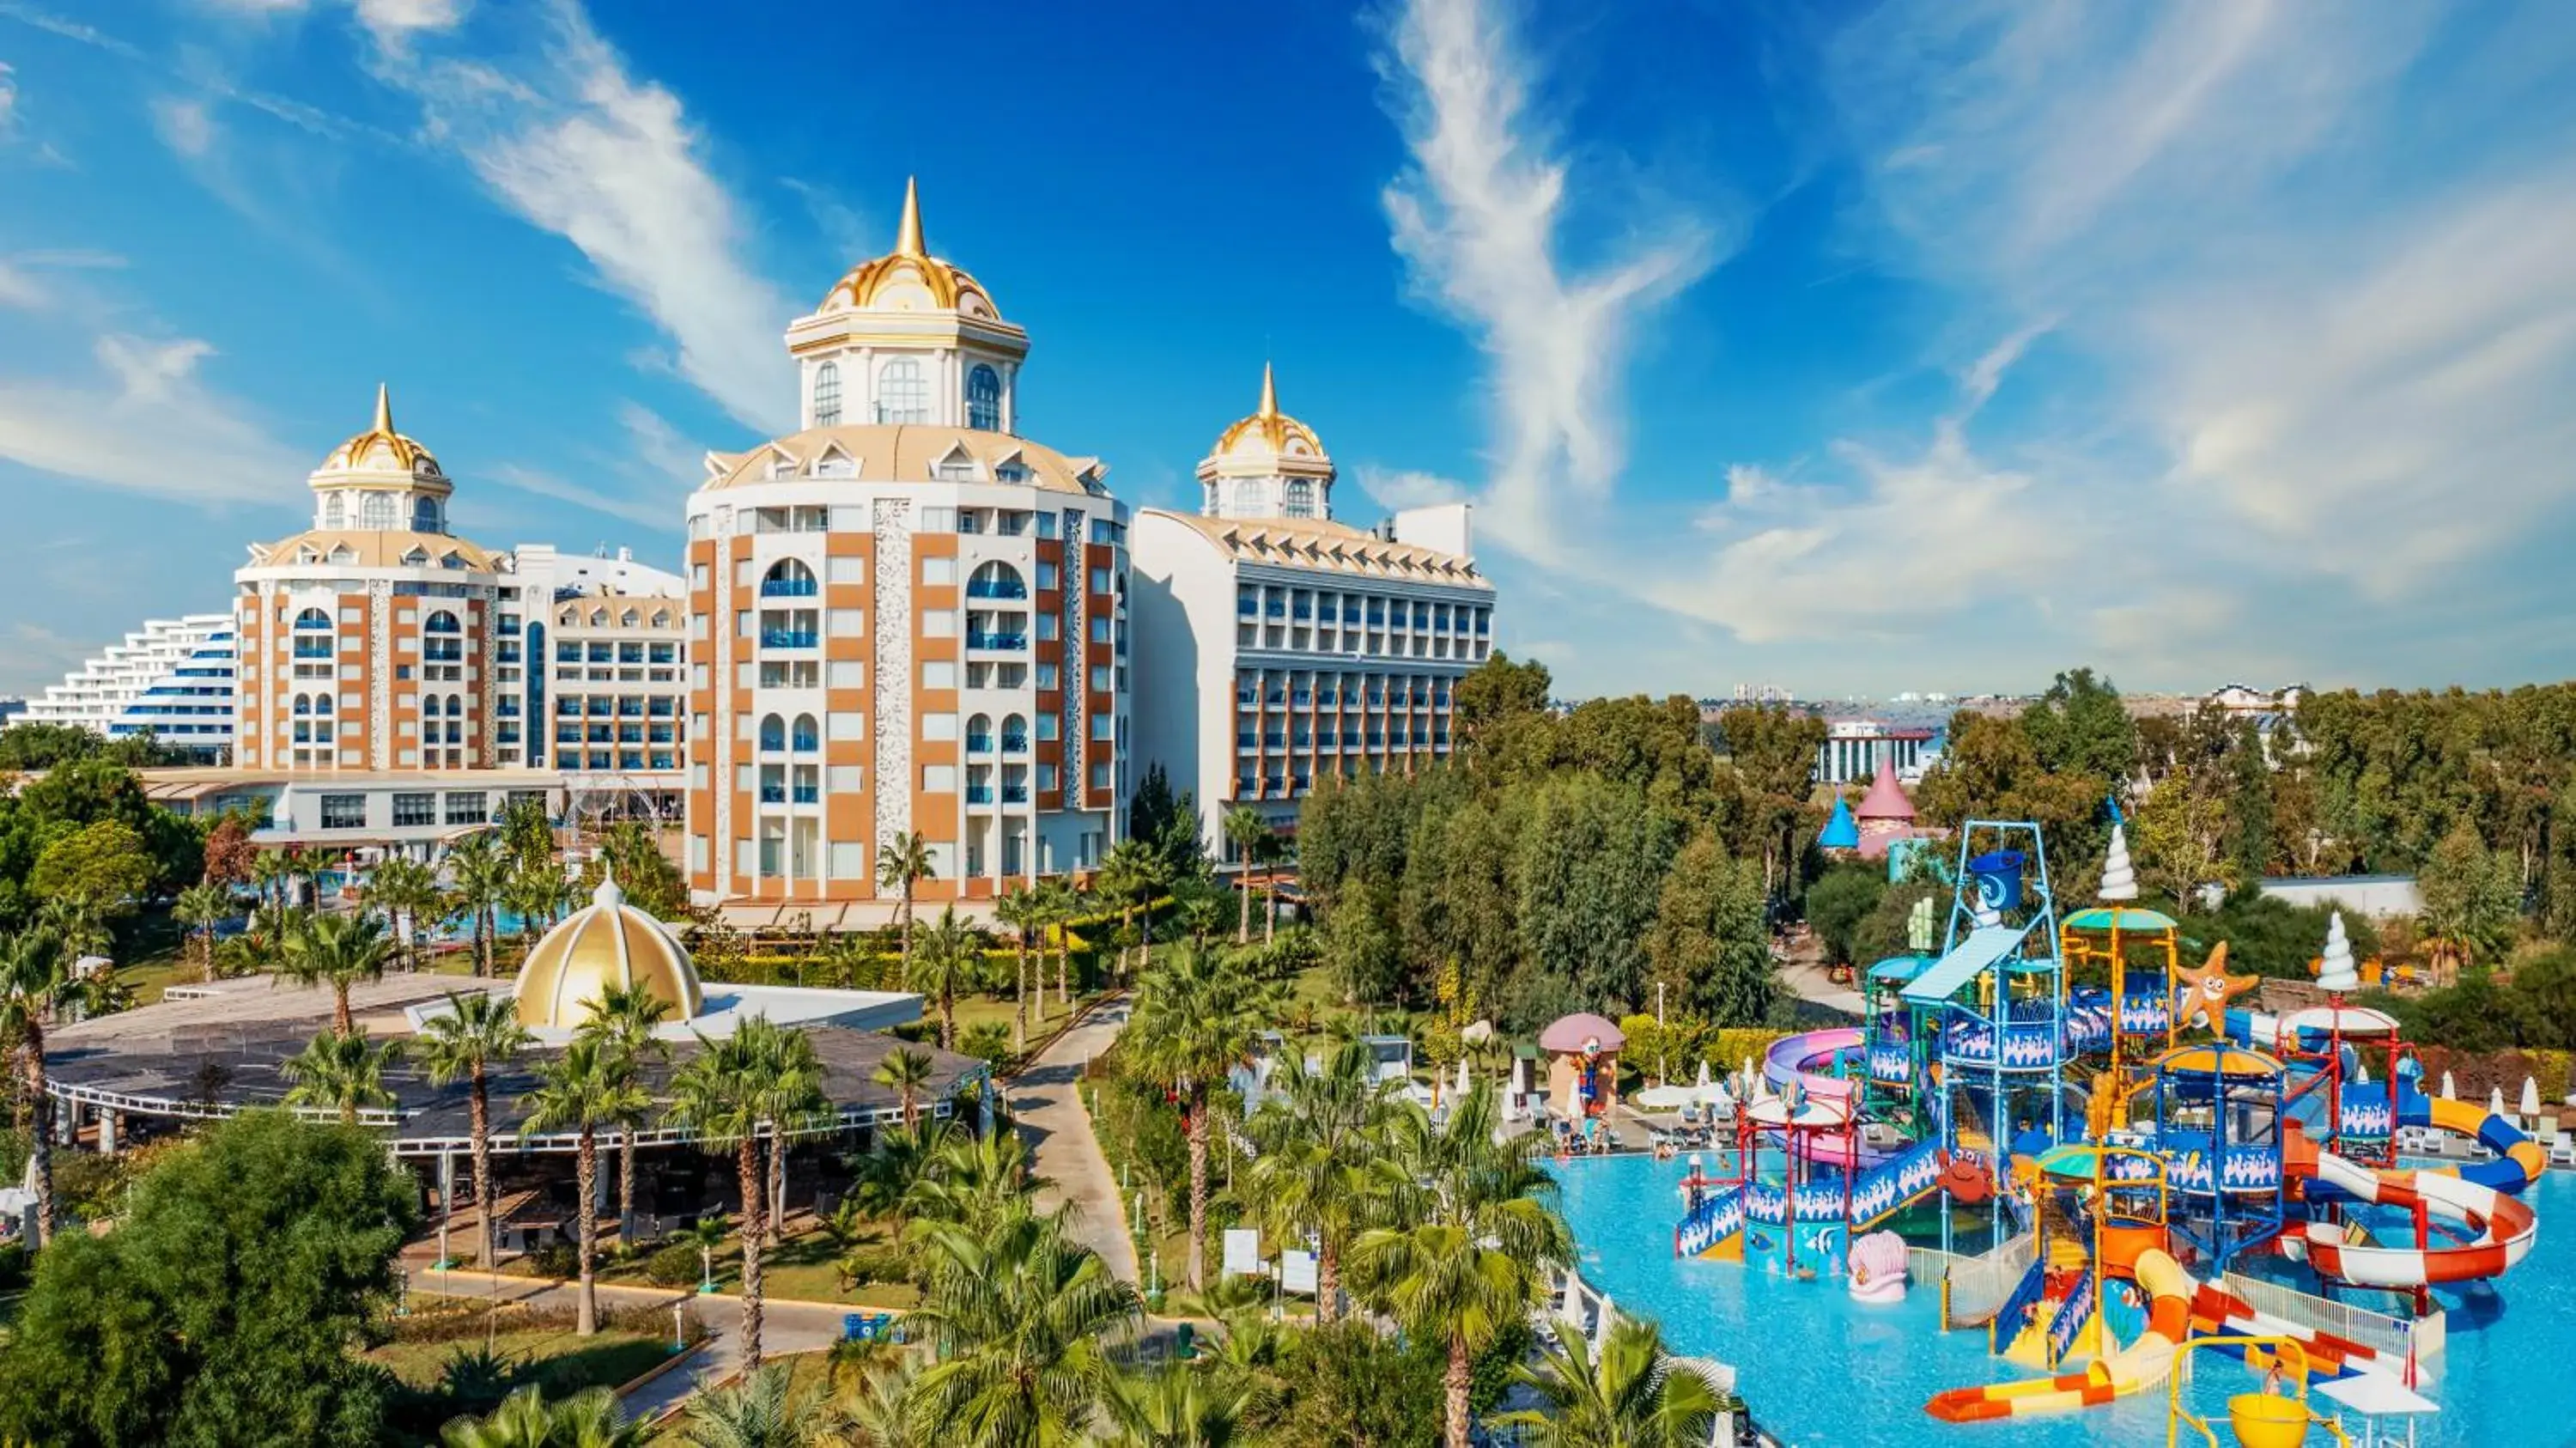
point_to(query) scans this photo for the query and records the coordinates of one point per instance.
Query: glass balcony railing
(996, 588)
(979, 794)
(805, 794)
(1015, 744)
(997, 641)
(1015, 794)
(787, 638)
(787, 588)
(979, 743)
(773, 794)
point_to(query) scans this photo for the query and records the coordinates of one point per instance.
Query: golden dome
(1269, 437)
(909, 278)
(381, 449)
(609, 944)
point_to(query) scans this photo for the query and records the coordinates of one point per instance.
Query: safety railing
(2389, 1336)
(1976, 1287)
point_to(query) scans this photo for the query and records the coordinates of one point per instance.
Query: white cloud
(646, 485)
(185, 126)
(1477, 218)
(394, 20)
(573, 143)
(8, 99)
(148, 423)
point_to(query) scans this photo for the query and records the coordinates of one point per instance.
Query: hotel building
(171, 678)
(1278, 645)
(1857, 749)
(904, 617)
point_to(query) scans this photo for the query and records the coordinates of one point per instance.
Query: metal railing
(1977, 1287)
(2388, 1336)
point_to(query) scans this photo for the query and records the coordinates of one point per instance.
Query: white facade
(172, 677)
(1856, 749)
(1276, 645)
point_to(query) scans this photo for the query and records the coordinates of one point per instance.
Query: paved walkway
(1047, 1100)
(1811, 982)
(786, 1327)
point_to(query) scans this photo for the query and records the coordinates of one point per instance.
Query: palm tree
(903, 861)
(909, 1072)
(872, 1408)
(1200, 911)
(1635, 1394)
(720, 1095)
(1197, 1018)
(200, 907)
(1063, 906)
(77, 928)
(1249, 833)
(269, 872)
(339, 951)
(624, 1019)
(1021, 1318)
(261, 947)
(791, 1096)
(1024, 911)
(706, 1234)
(1129, 875)
(1466, 1236)
(764, 1410)
(587, 1419)
(481, 872)
(947, 952)
(1317, 1142)
(302, 866)
(1177, 1406)
(341, 1071)
(972, 1180)
(532, 893)
(479, 1035)
(407, 892)
(581, 1091)
(32, 982)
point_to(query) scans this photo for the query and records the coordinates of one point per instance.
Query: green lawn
(799, 1266)
(554, 1358)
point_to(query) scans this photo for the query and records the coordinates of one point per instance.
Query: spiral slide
(2500, 1229)
(1789, 1061)
(2171, 1294)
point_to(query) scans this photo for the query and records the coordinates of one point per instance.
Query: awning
(1984, 946)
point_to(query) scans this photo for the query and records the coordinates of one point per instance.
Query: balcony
(1015, 744)
(313, 648)
(773, 794)
(788, 587)
(1015, 794)
(789, 638)
(1004, 641)
(805, 794)
(979, 794)
(979, 743)
(997, 588)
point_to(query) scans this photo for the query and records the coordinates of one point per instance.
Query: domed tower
(908, 338)
(381, 481)
(1268, 465)
(607, 944)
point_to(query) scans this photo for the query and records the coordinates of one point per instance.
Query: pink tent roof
(1886, 799)
(1568, 1033)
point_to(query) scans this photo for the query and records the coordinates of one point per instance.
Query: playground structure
(2069, 1099)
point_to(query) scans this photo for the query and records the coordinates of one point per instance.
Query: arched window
(827, 395)
(979, 734)
(1301, 498)
(424, 516)
(441, 646)
(312, 619)
(984, 399)
(1247, 497)
(335, 511)
(773, 732)
(1015, 734)
(787, 578)
(441, 622)
(902, 395)
(996, 579)
(377, 512)
(303, 703)
(808, 735)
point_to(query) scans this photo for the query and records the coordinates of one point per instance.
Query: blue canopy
(1984, 946)
(1840, 832)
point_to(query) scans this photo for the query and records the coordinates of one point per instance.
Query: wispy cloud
(569, 139)
(645, 484)
(148, 422)
(1478, 217)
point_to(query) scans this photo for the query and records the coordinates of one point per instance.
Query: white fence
(1978, 1285)
(2390, 1337)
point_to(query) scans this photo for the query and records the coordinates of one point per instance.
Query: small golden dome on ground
(610, 943)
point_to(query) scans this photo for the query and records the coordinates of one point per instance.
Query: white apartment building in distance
(904, 617)
(172, 678)
(1276, 645)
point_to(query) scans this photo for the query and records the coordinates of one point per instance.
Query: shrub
(555, 1259)
(989, 1042)
(863, 1265)
(678, 1265)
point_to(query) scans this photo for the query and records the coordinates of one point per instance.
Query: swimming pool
(1821, 1371)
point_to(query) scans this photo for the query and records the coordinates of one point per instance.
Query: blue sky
(1850, 348)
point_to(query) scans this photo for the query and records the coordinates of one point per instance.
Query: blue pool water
(1821, 1371)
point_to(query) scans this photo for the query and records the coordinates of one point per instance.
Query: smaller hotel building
(1279, 645)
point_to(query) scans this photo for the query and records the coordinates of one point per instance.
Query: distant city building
(11, 707)
(904, 618)
(1279, 645)
(172, 678)
(1860, 748)
(2377, 896)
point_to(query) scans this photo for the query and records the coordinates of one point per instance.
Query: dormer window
(416, 558)
(1301, 498)
(1012, 473)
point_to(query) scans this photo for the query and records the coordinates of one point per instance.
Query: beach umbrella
(1719, 1097)
(2449, 1092)
(1703, 1075)
(1463, 1086)
(2360, 1072)
(2530, 1098)
(1665, 1098)
(2495, 1101)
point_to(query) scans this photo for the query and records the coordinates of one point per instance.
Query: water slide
(1793, 1060)
(2143, 1364)
(2498, 1228)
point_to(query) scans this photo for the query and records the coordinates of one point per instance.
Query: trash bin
(1185, 1346)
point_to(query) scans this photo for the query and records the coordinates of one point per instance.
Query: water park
(2060, 1177)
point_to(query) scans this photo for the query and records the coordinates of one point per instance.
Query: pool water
(1821, 1371)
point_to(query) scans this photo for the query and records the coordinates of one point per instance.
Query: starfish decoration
(2201, 997)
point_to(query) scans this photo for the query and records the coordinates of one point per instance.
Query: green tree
(1839, 900)
(222, 1308)
(1316, 1158)
(1062, 906)
(903, 862)
(1249, 832)
(341, 1071)
(791, 1097)
(1023, 1321)
(1348, 1386)
(1130, 876)
(338, 951)
(625, 1019)
(1197, 1017)
(480, 870)
(33, 981)
(1591, 879)
(1496, 692)
(201, 908)
(581, 1091)
(104, 866)
(1633, 1394)
(1466, 1239)
(1023, 911)
(649, 879)
(765, 1410)
(1773, 749)
(1710, 948)
(587, 1419)
(478, 1035)
(408, 894)
(2470, 895)
(952, 948)
(908, 1073)
(720, 1095)
(1176, 1406)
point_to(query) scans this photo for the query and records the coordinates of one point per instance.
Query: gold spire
(1269, 394)
(907, 237)
(384, 411)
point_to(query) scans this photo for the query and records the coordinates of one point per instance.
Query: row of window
(1274, 604)
(628, 706)
(903, 394)
(602, 651)
(1005, 522)
(378, 511)
(1298, 689)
